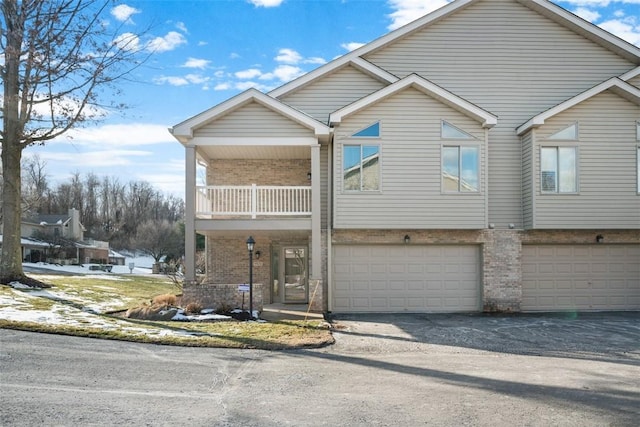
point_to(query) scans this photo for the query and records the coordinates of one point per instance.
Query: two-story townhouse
(485, 157)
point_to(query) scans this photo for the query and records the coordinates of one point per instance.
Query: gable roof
(184, 131)
(614, 84)
(544, 7)
(487, 119)
(337, 64)
(630, 74)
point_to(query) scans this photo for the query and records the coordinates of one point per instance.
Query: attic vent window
(449, 131)
(372, 131)
(570, 133)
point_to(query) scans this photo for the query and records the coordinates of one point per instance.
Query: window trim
(361, 190)
(576, 149)
(477, 146)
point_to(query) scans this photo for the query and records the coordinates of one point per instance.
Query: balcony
(254, 201)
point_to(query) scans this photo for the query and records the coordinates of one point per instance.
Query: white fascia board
(331, 67)
(186, 128)
(306, 141)
(593, 32)
(488, 120)
(620, 87)
(630, 74)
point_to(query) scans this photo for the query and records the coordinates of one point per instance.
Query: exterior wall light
(309, 176)
(407, 239)
(599, 238)
(258, 253)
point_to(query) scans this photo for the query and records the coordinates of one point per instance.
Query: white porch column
(190, 216)
(316, 212)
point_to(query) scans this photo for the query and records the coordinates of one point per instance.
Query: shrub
(193, 308)
(166, 300)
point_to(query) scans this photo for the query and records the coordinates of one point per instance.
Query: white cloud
(123, 13)
(234, 55)
(315, 60)
(120, 135)
(196, 63)
(95, 159)
(266, 3)
(171, 80)
(618, 13)
(288, 56)
(627, 29)
(251, 73)
(222, 86)
(351, 46)
(587, 14)
(169, 42)
(182, 27)
(249, 85)
(127, 41)
(286, 73)
(406, 11)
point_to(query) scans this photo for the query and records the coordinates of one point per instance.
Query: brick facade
(262, 172)
(222, 296)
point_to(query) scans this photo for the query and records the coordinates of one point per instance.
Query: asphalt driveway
(605, 336)
(384, 370)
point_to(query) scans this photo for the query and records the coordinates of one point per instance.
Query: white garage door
(407, 278)
(580, 277)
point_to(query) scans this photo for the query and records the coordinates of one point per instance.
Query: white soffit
(487, 119)
(184, 131)
(614, 84)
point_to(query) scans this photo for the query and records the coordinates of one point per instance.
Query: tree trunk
(11, 259)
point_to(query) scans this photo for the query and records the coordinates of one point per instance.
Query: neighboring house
(484, 157)
(115, 258)
(65, 242)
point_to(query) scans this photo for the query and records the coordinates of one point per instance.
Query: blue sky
(205, 51)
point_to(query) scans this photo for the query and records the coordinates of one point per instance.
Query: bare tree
(34, 184)
(160, 238)
(59, 61)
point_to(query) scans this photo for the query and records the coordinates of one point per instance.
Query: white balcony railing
(253, 200)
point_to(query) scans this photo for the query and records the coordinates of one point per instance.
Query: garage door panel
(407, 278)
(581, 277)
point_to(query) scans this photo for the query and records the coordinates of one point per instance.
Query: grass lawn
(80, 306)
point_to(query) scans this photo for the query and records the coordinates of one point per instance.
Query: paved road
(383, 370)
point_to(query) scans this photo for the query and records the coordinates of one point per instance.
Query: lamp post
(250, 245)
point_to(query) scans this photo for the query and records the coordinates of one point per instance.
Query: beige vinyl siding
(527, 179)
(635, 81)
(410, 156)
(607, 167)
(510, 61)
(332, 92)
(253, 120)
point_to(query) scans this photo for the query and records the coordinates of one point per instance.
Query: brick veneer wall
(261, 172)
(222, 296)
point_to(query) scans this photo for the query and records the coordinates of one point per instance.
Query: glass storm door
(296, 289)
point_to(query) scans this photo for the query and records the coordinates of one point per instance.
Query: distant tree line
(122, 213)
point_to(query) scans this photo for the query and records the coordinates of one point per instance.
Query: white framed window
(558, 170)
(371, 131)
(460, 168)
(569, 133)
(449, 131)
(360, 167)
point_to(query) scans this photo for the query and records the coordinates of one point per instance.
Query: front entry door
(296, 289)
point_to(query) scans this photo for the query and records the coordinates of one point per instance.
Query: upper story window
(361, 167)
(372, 131)
(558, 169)
(570, 133)
(461, 169)
(449, 131)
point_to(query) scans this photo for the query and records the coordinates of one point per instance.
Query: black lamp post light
(250, 245)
